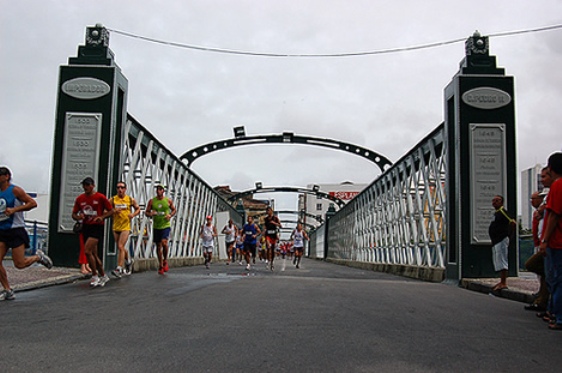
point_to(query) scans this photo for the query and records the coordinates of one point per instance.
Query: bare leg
(91, 250)
(20, 260)
(3, 274)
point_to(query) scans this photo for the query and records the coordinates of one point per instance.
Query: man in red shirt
(535, 263)
(92, 208)
(551, 239)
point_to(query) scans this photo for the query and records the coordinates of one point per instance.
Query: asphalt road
(320, 318)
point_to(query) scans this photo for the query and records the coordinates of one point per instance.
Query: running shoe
(248, 267)
(117, 272)
(104, 280)
(7, 295)
(161, 271)
(44, 259)
(129, 265)
(165, 267)
(95, 281)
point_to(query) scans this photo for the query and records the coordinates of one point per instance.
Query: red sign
(346, 196)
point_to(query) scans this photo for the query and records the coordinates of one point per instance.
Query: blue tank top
(8, 199)
(250, 231)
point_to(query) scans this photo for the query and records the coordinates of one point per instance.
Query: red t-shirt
(91, 206)
(554, 205)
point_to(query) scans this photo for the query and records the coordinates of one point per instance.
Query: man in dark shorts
(249, 236)
(92, 208)
(161, 209)
(272, 225)
(13, 202)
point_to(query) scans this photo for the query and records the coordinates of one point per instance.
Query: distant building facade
(530, 182)
(318, 206)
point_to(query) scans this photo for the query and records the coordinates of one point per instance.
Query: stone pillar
(90, 118)
(480, 134)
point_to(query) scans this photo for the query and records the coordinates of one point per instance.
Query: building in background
(530, 182)
(252, 207)
(318, 206)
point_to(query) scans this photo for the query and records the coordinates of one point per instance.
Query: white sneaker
(104, 280)
(248, 267)
(95, 281)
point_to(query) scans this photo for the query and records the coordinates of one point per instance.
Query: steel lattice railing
(400, 218)
(146, 163)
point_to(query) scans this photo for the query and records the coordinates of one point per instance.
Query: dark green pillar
(90, 117)
(480, 130)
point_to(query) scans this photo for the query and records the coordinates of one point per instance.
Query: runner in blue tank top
(249, 236)
(13, 202)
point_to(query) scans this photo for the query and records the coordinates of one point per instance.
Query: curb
(511, 294)
(52, 281)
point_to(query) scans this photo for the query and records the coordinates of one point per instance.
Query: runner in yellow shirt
(122, 204)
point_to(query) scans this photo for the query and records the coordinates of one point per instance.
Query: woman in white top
(230, 231)
(298, 236)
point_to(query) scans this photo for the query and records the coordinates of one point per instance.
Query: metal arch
(318, 218)
(287, 138)
(295, 222)
(246, 193)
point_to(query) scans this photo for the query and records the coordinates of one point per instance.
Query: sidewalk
(520, 288)
(37, 276)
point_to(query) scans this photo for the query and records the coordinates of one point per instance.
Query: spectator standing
(551, 239)
(499, 232)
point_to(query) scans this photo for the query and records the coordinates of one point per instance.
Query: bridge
(427, 212)
(424, 217)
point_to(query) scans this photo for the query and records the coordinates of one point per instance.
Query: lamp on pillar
(95, 50)
(477, 56)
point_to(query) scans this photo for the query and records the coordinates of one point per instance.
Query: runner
(262, 253)
(161, 209)
(208, 234)
(122, 204)
(298, 236)
(251, 232)
(92, 208)
(231, 232)
(239, 246)
(13, 202)
(272, 224)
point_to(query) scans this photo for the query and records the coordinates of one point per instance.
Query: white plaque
(488, 176)
(86, 88)
(486, 98)
(80, 158)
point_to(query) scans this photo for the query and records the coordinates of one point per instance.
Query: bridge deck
(322, 317)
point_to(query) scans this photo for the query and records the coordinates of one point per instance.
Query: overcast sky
(187, 98)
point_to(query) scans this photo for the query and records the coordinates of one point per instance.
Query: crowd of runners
(92, 208)
(244, 244)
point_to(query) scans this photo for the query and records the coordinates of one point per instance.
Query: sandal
(555, 326)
